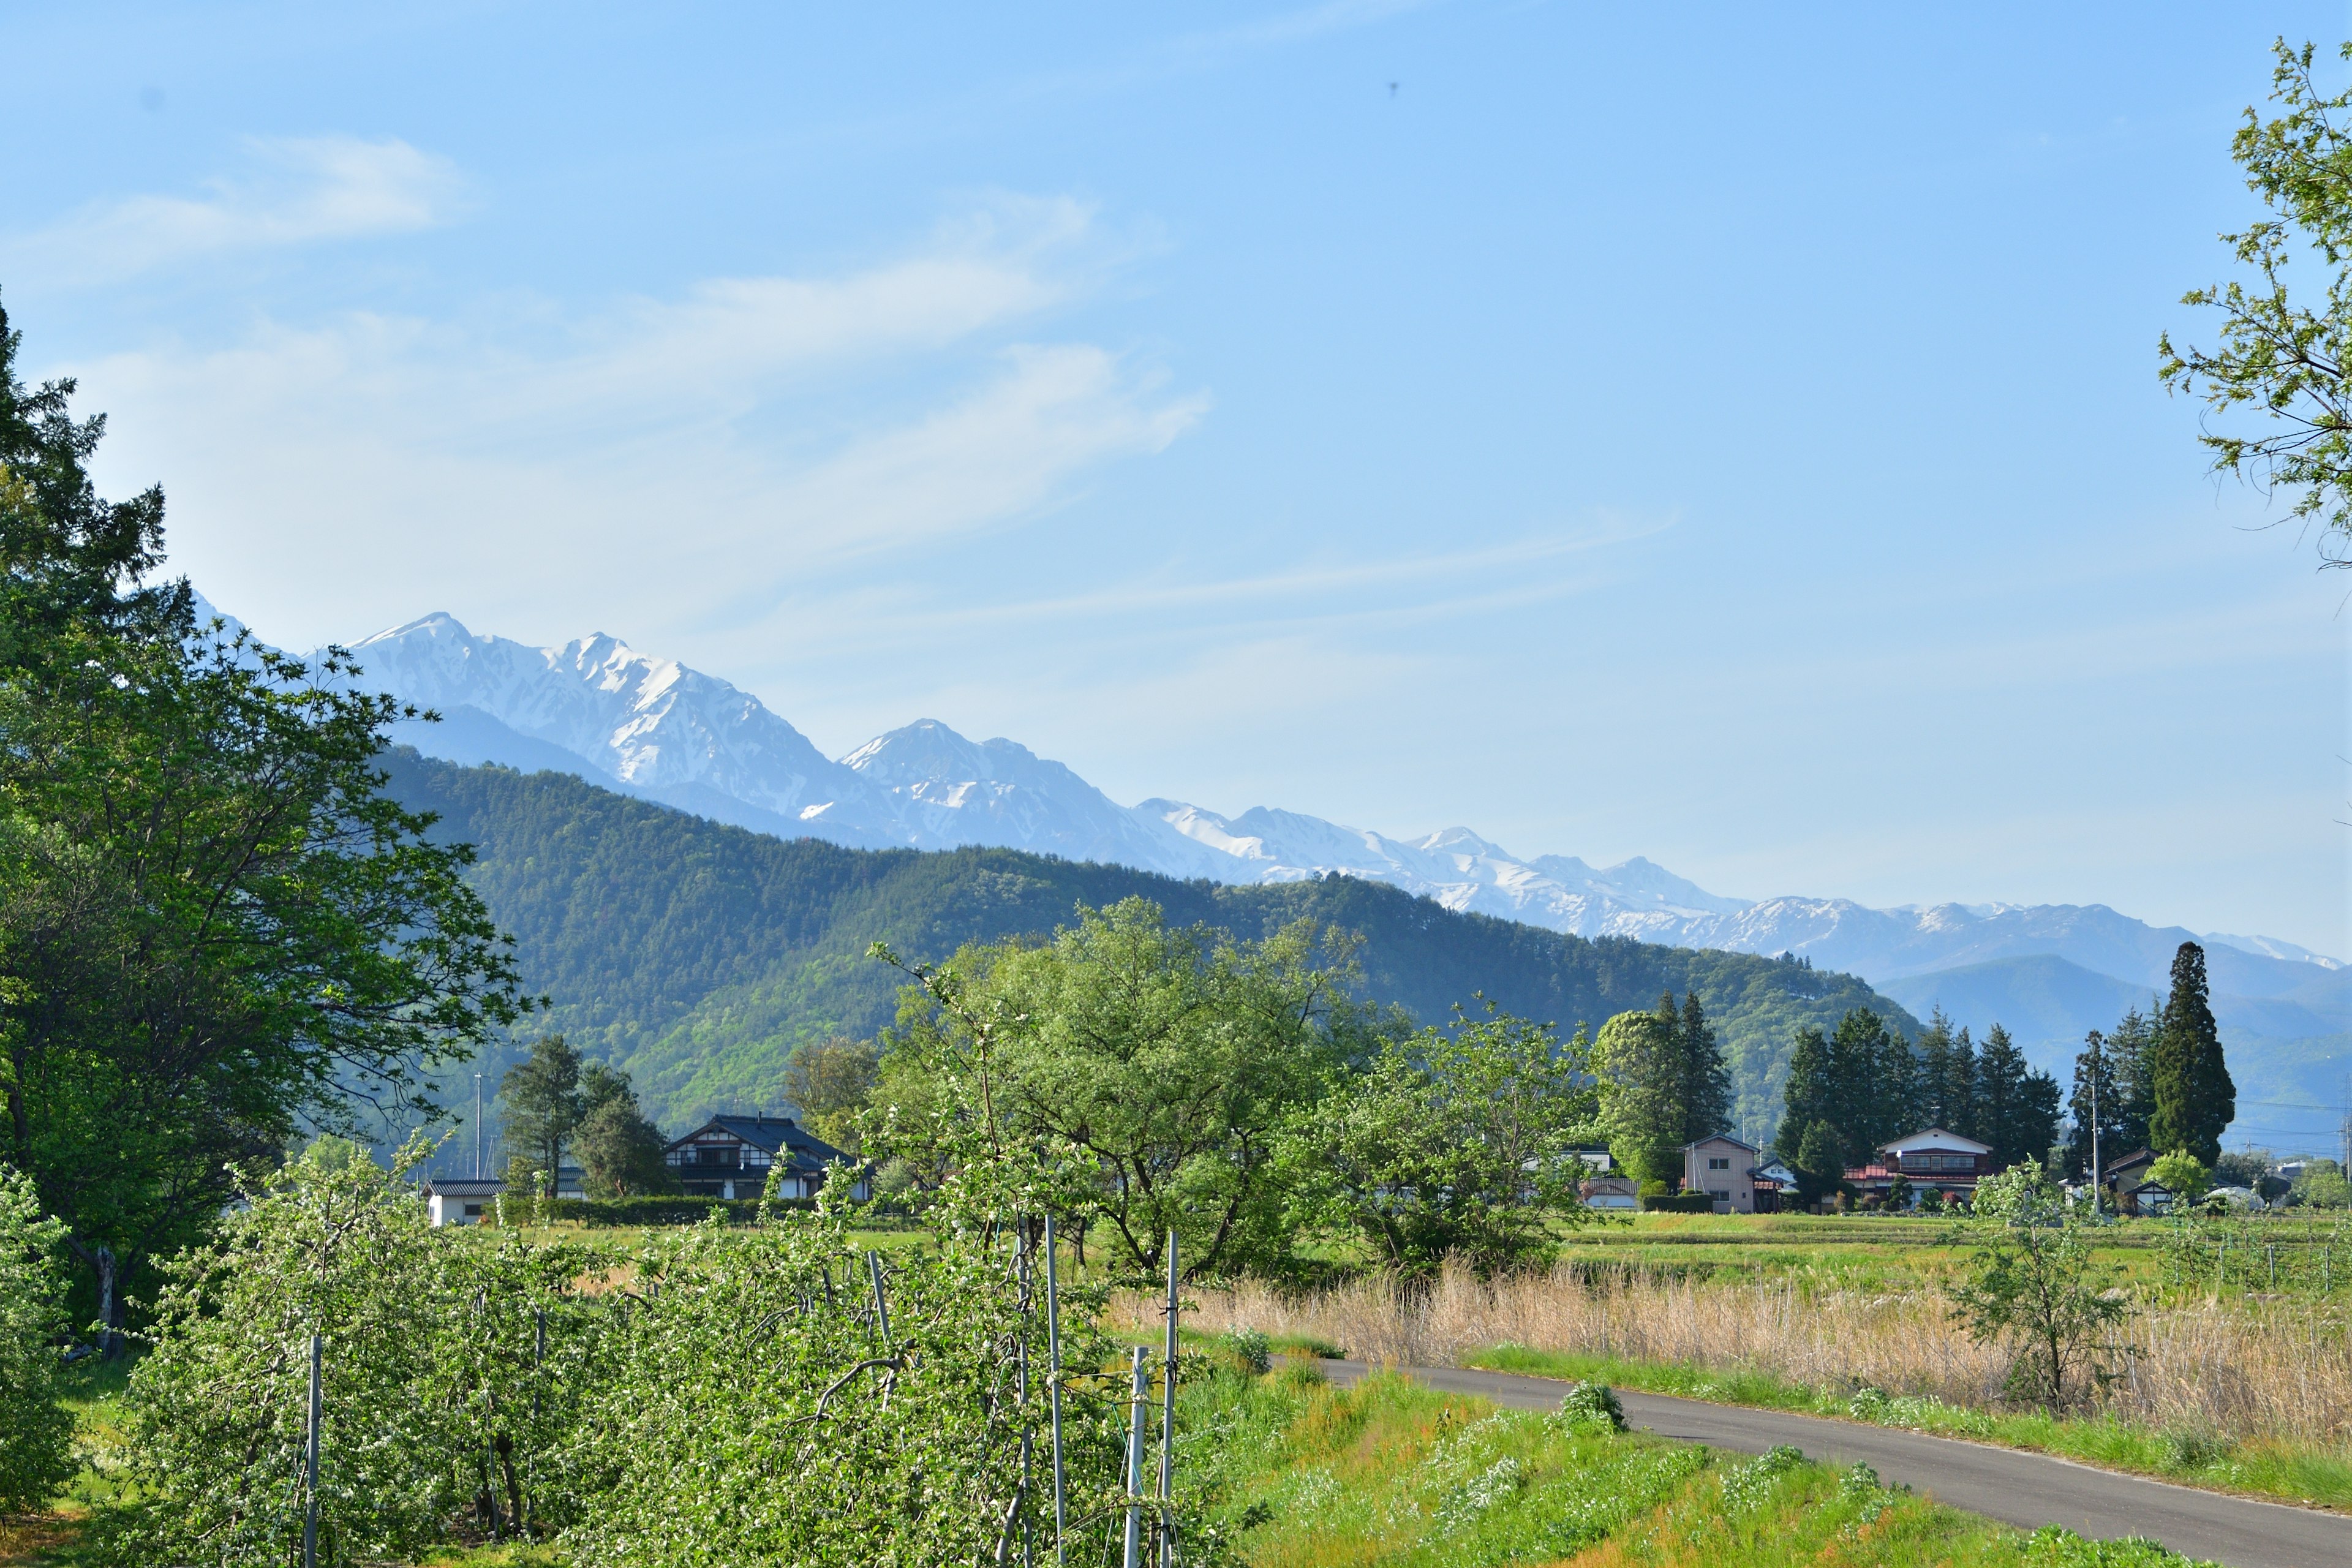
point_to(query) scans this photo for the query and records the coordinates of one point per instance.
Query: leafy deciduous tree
(2289, 358)
(1455, 1143)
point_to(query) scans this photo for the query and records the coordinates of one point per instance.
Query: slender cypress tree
(2195, 1099)
(1706, 1081)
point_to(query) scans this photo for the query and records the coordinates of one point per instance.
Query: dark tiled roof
(779, 1135)
(465, 1186)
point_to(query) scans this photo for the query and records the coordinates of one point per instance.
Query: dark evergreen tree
(2094, 1095)
(1872, 1072)
(1819, 1163)
(1808, 1098)
(1934, 1070)
(2131, 1062)
(2017, 1108)
(1959, 1088)
(541, 1096)
(2000, 1096)
(1898, 1087)
(2036, 1126)
(2195, 1100)
(1706, 1079)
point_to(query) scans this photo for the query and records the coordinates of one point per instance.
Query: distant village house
(731, 1157)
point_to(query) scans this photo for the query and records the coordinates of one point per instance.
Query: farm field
(1865, 1251)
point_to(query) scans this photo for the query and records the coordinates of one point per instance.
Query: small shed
(1611, 1192)
(461, 1200)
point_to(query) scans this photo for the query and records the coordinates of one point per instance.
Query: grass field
(2220, 1380)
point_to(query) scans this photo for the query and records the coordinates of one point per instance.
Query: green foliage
(829, 1082)
(1819, 1163)
(213, 926)
(36, 1430)
(1166, 1058)
(2032, 1283)
(749, 1419)
(1639, 1063)
(1593, 1404)
(1453, 1142)
(2121, 1064)
(2321, 1185)
(540, 1098)
(699, 956)
(436, 1407)
(620, 1151)
(2286, 357)
(1707, 1078)
(1678, 1203)
(606, 1212)
(2195, 1101)
(2182, 1175)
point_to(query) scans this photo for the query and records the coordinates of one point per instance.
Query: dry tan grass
(2252, 1370)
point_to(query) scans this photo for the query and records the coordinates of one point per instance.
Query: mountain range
(646, 726)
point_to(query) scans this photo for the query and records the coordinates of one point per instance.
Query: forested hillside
(696, 955)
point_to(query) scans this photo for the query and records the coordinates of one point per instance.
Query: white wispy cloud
(644, 463)
(292, 191)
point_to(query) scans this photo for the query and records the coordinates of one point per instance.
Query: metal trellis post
(1137, 1375)
(310, 1459)
(1054, 1386)
(1168, 1424)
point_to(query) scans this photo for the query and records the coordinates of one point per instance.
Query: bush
(1593, 1405)
(35, 1431)
(604, 1213)
(1249, 1349)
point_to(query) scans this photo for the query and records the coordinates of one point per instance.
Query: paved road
(2019, 1488)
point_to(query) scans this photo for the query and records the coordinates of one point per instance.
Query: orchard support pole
(1168, 1424)
(310, 1459)
(1053, 1388)
(1138, 1376)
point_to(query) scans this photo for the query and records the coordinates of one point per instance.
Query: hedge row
(597, 1213)
(1678, 1203)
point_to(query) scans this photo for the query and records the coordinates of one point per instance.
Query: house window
(1720, 1195)
(473, 1211)
(1718, 1162)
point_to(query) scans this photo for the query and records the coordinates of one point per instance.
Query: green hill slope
(696, 955)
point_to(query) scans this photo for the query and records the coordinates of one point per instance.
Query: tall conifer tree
(2093, 1104)
(2131, 1060)
(1808, 1096)
(2195, 1099)
(1706, 1081)
(1959, 1088)
(1935, 1068)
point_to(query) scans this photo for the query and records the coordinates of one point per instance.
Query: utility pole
(2098, 1068)
(478, 1126)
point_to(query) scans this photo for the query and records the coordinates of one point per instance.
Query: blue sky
(1726, 437)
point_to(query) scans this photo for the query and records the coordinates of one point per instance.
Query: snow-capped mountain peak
(654, 727)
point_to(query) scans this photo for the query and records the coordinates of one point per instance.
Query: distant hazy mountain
(651, 727)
